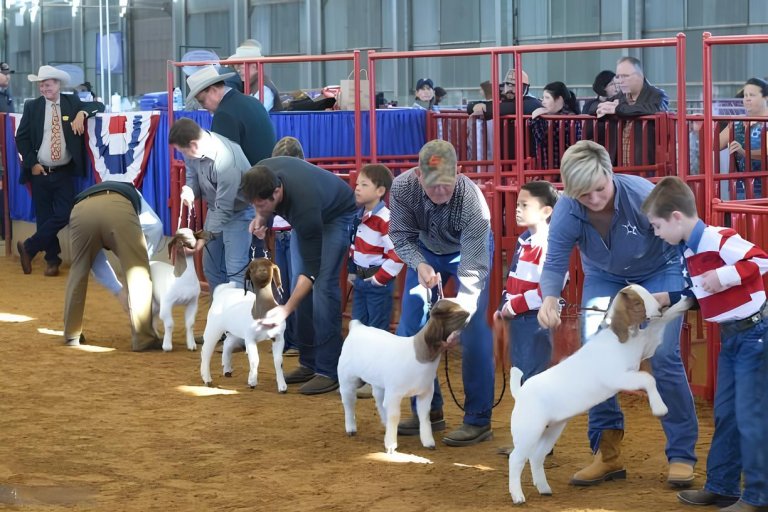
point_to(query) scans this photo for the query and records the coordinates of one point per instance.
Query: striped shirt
(462, 225)
(522, 290)
(372, 246)
(739, 265)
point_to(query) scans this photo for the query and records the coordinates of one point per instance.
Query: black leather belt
(102, 193)
(365, 273)
(728, 329)
(47, 169)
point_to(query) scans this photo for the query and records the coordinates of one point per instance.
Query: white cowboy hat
(246, 51)
(204, 77)
(49, 72)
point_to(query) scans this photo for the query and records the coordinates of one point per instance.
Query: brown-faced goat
(606, 364)
(239, 313)
(177, 284)
(397, 367)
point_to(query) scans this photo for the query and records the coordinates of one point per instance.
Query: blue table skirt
(322, 134)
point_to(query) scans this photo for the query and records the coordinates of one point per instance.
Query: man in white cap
(240, 118)
(251, 49)
(52, 148)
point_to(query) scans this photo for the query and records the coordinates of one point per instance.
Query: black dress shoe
(26, 260)
(703, 497)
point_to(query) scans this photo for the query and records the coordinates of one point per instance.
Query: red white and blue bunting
(119, 145)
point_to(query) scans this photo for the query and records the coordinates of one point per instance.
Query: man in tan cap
(440, 226)
(52, 148)
(240, 118)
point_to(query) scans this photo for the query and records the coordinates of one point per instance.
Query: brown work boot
(24, 257)
(607, 465)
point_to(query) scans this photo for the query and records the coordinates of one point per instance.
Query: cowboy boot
(607, 464)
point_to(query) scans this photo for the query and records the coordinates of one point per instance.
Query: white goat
(239, 314)
(606, 364)
(177, 285)
(397, 367)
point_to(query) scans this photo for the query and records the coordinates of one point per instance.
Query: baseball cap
(424, 82)
(5, 68)
(437, 162)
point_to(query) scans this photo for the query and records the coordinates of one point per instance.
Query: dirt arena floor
(103, 428)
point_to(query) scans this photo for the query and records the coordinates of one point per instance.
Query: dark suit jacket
(29, 135)
(244, 120)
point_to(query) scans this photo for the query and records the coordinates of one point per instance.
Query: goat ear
(247, 276)
(276, 276)
(620, 321)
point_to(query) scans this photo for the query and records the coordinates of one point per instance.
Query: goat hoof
(282, 391)
(352, 434)
(227, 374)
(252, 387)
(209, 384)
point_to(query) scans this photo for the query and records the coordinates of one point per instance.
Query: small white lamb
(397, 367)
(177, 285)
(239, 313)
(606, 364)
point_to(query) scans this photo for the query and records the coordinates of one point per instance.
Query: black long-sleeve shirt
(312, 197)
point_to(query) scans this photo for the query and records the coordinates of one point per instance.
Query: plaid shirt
(462, 225)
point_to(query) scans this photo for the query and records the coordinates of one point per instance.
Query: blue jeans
(530, 344)
(371, 304)
(740, 442)
(227, 253)
(319, 315)
(476, 342)
(680, 424)
(283, 262)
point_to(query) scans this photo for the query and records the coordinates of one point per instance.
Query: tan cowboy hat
(247, 51)
(48, 73)
(204, 77)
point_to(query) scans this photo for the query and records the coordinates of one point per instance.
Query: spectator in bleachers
(755, 98)
(484, 110)
(425, 94)
(250, 49)
(636, 97)
(507, 108)
(241, 119)
(600, 214)
(440, 93)
(605, 88)
(556, 100)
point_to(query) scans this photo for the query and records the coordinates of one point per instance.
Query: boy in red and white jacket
(724, 273)
(373, 263)
(530, 344)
